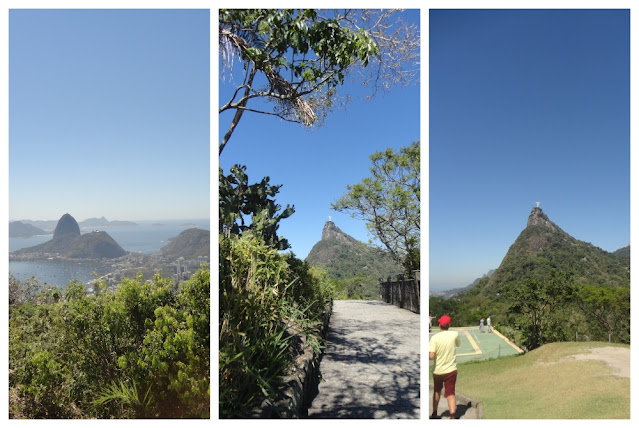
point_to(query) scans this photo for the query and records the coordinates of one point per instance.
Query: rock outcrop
(537, 217)
(332, 232)
(66, 227)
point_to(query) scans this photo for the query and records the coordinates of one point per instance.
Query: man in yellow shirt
(441, 348)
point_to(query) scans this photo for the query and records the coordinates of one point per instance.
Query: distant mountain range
(69, 243)
(449, 293)
(21, 229)
(344, 257)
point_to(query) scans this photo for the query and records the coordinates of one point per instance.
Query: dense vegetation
(538, 312)
(141, 351)
(270, 303)
(538, 250)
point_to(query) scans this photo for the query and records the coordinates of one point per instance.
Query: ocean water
(147, 237)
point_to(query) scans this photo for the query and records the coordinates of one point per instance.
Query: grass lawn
(546, 383)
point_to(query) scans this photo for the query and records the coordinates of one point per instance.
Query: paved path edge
(461, 400)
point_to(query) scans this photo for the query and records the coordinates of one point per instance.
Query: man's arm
(431, 355)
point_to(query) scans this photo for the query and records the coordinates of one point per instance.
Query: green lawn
(545, 384)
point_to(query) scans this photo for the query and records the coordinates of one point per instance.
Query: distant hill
(452, 292)
(543, 246)
(68, 242)
(47, 225)
(102, 222)
(623, 255)
(189, 244)
(344, 257)
(17, 229)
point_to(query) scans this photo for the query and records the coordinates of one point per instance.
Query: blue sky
(525, 106)
(109, 114)
(315, 165)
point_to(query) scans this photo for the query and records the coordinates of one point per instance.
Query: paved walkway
(370, 367)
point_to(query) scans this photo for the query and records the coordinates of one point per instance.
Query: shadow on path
(370, 367)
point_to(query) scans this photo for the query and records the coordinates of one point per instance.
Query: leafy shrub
(265, 297)
(141, 351)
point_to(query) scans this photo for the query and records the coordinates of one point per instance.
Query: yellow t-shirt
(443, 344)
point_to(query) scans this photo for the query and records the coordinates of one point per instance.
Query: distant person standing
(430, 322)
(481, 325)
(490, 326)
(441, 349)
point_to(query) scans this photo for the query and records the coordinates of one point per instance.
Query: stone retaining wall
(298, 386)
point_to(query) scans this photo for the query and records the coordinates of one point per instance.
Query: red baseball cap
(445, 319)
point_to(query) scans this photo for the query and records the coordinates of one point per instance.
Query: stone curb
(475, 408)
(477, 405)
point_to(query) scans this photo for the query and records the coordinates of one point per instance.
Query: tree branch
(239, 112)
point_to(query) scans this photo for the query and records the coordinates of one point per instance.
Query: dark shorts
(448, 380)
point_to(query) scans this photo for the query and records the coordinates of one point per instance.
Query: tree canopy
(296, 59)
(388, 201)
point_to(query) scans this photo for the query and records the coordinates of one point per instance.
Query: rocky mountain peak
(67, 226)
(332, 232)
(537, 217)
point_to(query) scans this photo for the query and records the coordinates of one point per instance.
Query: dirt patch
(617, 358)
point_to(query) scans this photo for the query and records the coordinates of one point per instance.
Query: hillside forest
(549, 287)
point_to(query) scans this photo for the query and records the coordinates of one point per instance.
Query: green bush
(140, 351)
(266, 298)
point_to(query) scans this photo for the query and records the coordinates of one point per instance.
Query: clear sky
(314, 166)
(109, 114)
(525, 106)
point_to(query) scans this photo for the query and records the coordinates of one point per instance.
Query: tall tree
(296, 59)
(538, 302)
(607, 310)
(388, 201)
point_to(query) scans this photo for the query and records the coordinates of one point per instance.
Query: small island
(103, 222)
